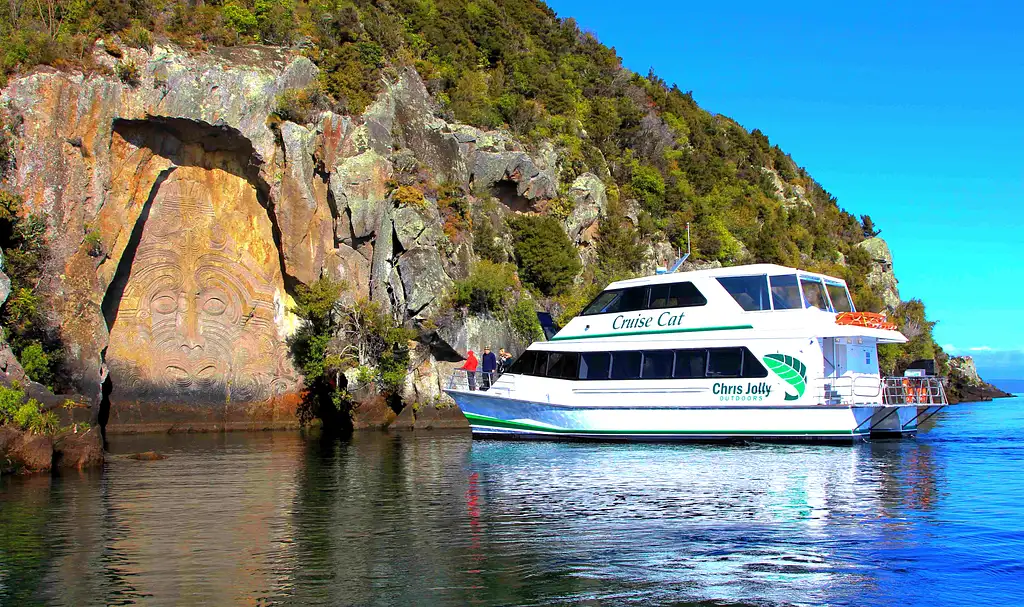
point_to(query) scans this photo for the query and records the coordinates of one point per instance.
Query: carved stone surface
(198, 335)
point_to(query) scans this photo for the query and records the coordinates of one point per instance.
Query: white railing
(890, 391)
(462, 379)
(920, 391)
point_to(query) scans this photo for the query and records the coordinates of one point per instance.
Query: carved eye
(215, 306)
(207, 375)
(165, 304)
(178, 375)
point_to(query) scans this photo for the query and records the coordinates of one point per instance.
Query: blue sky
(912, 113)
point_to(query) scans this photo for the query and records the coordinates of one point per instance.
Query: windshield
(840, 297)
(814, 293)
(751, 292)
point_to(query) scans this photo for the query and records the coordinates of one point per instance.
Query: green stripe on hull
(662, 331)
(500, 424)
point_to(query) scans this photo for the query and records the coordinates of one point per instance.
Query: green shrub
(137, 36)
(546, 257)
(523, 320)
(648, 184)
(300, 105)
(36, 363)
(239, 18)
(11, 399)
(487, 289)
(26, 414)
(485, 241)
(128, 72)
(93, 243)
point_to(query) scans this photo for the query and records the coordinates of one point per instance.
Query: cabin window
(601, 302)
(676, 295)
(657, 364)
(689, 364)
(840, 297)
(563, 365)
(618, 301)
(814, 293)
(725, 362)
(525, 364)
(594, 365)
(751, 292)
(786, 292)
(625, 365)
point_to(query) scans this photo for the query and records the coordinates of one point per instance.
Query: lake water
(438, 519)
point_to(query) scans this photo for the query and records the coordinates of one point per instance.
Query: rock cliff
(181, 214)
(965, 385)
(882, 276)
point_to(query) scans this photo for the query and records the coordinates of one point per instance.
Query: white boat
(746, 352)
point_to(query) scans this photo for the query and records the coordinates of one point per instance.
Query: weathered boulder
(424, 280)
(434, 417)
(79, 451)
(590, 201)
(24, 452)
(359, 185)
(881, 275)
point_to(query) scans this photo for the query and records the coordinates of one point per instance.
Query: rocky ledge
(965, 385)
(22, 452)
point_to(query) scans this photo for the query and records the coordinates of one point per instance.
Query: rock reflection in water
(439, 519)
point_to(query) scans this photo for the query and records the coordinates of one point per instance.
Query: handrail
(464, 380)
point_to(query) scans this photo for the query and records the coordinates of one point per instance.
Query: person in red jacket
(470, 369)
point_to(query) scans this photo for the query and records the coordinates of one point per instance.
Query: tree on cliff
(546, 258)
(869, 227)
(334, 336)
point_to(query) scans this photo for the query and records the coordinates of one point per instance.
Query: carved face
(197, 315)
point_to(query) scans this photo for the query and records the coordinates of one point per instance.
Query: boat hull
(499, 416)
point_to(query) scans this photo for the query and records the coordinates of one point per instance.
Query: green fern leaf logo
(790, 370)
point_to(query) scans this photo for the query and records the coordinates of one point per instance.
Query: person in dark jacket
(490, 366)
(470, 369)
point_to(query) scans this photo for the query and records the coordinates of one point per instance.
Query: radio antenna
(683, 259)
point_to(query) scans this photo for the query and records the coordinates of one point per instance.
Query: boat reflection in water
(436, 518)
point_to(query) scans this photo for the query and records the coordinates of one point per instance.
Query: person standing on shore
(490, 367)
(470, 369)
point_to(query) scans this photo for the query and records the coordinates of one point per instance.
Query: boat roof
(770, 269)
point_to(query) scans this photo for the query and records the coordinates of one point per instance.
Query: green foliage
(300, 105)
(24, 327)
(334, 336)
(11, 399)
(869, 227)
(93, 243)
(546, 257)
(648, 184)
(523, 319)
(488, 288)
(485, 242)
(36, 363)
(26, 414)
(619, 251)
(910, 317)
(128, 72)
(238, 18)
